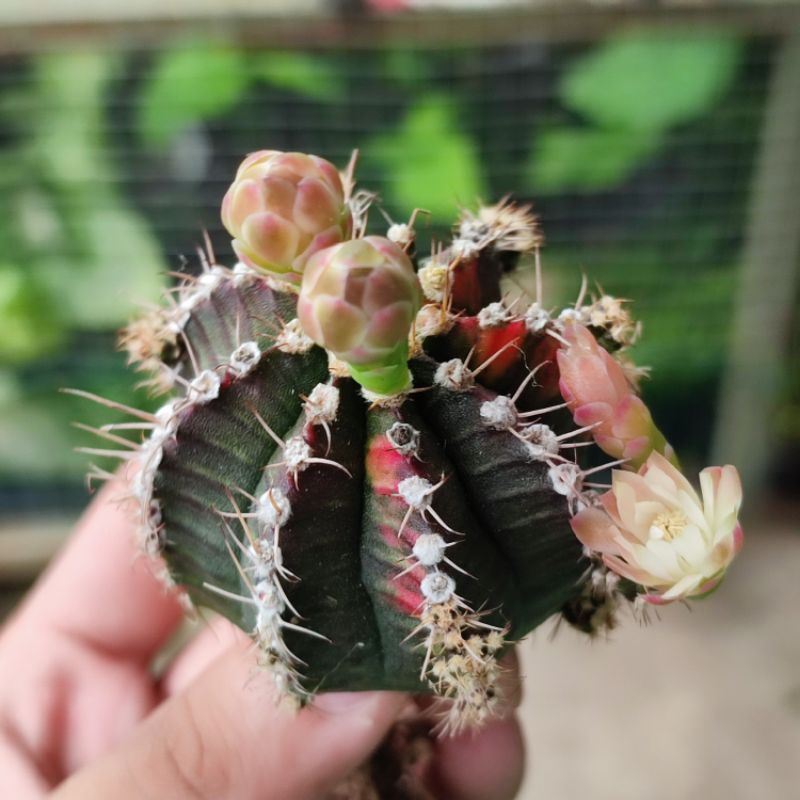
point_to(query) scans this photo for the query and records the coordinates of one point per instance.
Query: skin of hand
(82, 716)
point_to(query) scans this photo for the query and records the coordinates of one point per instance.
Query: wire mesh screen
(638, 152)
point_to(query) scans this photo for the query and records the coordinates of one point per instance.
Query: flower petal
(595, 530)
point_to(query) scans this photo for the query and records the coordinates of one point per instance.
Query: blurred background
(660, 145)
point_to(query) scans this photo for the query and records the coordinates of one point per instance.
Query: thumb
(224, 738)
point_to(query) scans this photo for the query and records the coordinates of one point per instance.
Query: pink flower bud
(654, 529)
(598, 393)
(358, 300)
(282, 208)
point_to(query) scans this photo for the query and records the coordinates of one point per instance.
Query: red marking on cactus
(543, 350)
(465, 289)
(406, 595)
(492, 340)
(475, 283)
(388, 534)
(315, 438)
(401, 590)
(385, 466)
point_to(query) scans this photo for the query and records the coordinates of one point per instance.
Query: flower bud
(282, 208)
(595, 387)
(358, 300)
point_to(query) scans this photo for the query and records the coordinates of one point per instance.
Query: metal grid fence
(641, 150)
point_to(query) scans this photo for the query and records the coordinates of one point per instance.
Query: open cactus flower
(655, 530)
(385, 479)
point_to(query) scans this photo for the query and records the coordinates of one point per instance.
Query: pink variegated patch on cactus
(599, 394)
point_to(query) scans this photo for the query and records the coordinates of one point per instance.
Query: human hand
(81, 712)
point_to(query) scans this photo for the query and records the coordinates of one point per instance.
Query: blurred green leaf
(308, 75)
(189, 83)
(428, 161)
(67, 127)
(37, 439)
(648, 81)
(29, 326)
(588, 159)
(120, 270)
(92, 254)
(405, 65)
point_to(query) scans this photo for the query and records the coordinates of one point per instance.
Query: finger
(100, 591)
(225, 738)
(214, 638)
(486, 764)
(20, 778)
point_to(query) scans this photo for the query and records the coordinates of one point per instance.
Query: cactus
(371, 464)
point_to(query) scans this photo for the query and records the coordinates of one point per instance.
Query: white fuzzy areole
(437, 587)
(567, 479)
(167, 416)
(572, 315)
(500, 413)
(296, 453)
(493, 315)
(322, 404)
(454, 375)
(400, 233)
(204, 388)
(429, 549)
(536, 318)
(464, 247)
(542, 440)
(273, 508)
(244, 358)
(432, 320)
(244, 275)
(177, 319)
(415, 491)
(293, 339)
(404, 438)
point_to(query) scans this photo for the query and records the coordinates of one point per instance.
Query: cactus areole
(386, 471)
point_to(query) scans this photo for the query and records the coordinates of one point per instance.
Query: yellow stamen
(668, 524)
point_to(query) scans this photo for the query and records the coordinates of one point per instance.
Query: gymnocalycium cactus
(384, 470)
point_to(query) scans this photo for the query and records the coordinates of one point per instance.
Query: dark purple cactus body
(349, 582)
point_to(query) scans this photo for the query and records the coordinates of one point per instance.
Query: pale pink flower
(598, 393)
(654, 528)
(284, 207)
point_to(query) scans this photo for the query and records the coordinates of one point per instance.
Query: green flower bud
(358, 300)
(282, 208)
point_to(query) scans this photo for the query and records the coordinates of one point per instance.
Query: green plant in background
(445, 174)
(75, 165)
(76, 257)
(190, 82)
(196, 80)
(631, 92)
